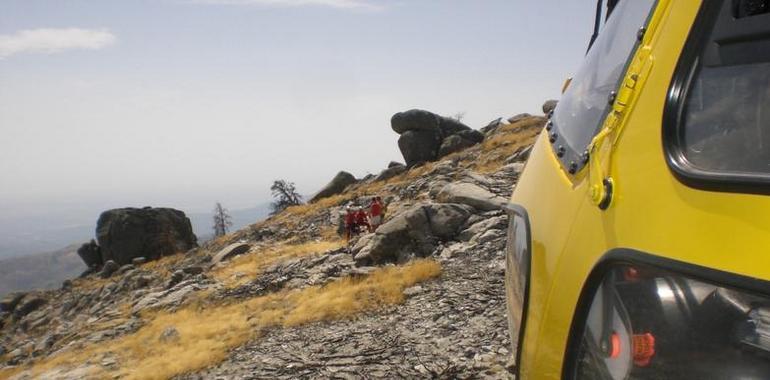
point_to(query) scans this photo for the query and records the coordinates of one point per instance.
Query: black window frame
(572, 160)
(628, 256)
(685, 72)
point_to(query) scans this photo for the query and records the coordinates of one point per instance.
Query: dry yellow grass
(507, 141)
(163, 264)
(245, 267)
(208, 332)
(294, 213)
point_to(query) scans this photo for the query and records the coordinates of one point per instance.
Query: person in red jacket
(375, 214)
(361, 221)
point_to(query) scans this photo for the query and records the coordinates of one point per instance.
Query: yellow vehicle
(639, 238)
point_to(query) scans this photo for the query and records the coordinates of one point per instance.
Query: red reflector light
(614, 345)
(644, 349)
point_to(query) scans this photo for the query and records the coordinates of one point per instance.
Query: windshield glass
(584, 104)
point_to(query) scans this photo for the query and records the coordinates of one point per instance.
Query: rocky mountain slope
(422, 297)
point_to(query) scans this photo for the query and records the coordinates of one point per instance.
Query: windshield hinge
(601, 185)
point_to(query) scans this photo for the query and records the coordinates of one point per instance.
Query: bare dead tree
(285, 195)
(222, 220)
(459, 116)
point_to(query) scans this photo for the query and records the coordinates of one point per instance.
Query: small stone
(413, 290)
(176, 278)
(193, 270)
(66, 285)
(142, 281)
(138, 261)
(109, 268)
(169, 334)
(125, 268)
(488, 236)
(15, 355)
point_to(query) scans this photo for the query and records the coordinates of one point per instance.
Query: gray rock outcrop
(10, 301)
(454, 143)
(230, 251)
(90, 254)
(414, 232)
(126, 233)
(390, 172)
(471, 195)
(426, 136)
(337, 185)
(28, 304)
(419, 146)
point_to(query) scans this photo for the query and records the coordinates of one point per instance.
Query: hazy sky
(183, 103)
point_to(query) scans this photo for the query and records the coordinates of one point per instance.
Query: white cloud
(341, 4)
(48, 41)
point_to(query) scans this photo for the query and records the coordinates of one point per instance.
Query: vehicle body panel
(651, 211)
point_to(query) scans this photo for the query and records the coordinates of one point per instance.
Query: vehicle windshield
(584, 104)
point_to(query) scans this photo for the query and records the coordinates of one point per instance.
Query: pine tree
(222, 220)
(285, 195)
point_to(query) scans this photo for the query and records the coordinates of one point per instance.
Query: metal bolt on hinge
(640, 33)
(611, 98)
(572, 167)
(549, 126)
(552, 138)
(560, 151)
(584, 157)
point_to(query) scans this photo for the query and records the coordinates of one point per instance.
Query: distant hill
(40, 271)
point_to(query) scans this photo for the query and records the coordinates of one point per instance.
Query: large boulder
(423, 134)
(418, 146)
(449, 126)
(414, 120)
(390, 172)
(549, 106)
(471, 195)
(472, 135)
(454, 143)
(414, 232)
(126, 233)
(337, 185)
(90, 254)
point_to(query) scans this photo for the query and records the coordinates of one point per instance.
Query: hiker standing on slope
(375, 214)
(350, 222)
(361, 221)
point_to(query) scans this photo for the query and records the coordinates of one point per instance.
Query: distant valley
(32, 257)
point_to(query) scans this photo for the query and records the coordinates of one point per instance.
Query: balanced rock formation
(126, 233)
(337, 185)
(426, 136)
